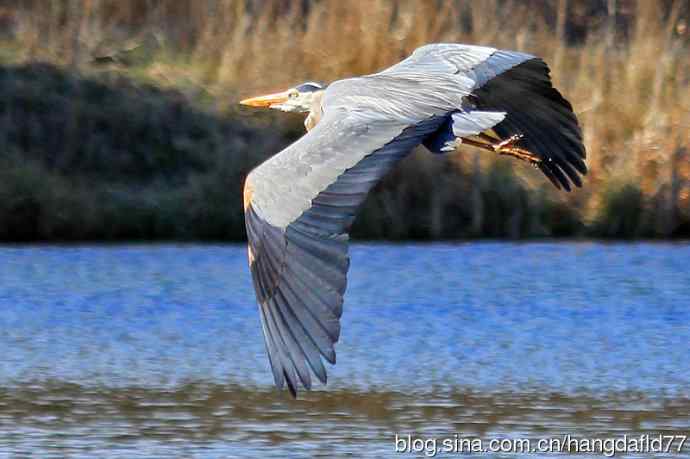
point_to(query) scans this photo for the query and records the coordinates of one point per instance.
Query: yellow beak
(266, 101)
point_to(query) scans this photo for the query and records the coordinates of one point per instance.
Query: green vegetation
(109, 159)
(118, 119)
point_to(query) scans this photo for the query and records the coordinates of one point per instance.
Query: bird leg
(503, 147)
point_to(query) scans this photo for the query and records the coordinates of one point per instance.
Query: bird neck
(315, 111)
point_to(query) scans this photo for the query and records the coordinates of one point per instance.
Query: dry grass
(623, 64)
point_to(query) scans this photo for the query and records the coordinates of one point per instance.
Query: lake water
(149, 351)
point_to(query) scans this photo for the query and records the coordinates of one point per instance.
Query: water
(156, 351)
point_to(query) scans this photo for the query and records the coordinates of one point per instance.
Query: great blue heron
(299, 204)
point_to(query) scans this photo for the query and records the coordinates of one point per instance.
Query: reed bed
(624, 64)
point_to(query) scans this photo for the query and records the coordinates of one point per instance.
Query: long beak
(266, 101)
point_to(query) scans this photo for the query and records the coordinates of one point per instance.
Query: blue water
(506, 320)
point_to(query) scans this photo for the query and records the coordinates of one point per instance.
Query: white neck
(315, 112)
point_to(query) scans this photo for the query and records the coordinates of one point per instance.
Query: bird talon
(507, 147)
(507, 143)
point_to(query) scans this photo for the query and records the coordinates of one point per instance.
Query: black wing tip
(565, 185)
(564, 175)
(292, 387)
(548, 123)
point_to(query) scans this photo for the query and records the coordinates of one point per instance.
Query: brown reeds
(624, 64)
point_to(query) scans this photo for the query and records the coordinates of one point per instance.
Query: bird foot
(507, 143)
(503, 147)
(508, 147)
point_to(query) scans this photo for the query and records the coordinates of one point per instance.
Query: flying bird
(300, 204)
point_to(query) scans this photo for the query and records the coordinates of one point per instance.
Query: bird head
(297, 99)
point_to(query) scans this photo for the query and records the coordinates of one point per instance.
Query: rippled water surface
(156, 351)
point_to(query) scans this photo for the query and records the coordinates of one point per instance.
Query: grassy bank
(118, 120)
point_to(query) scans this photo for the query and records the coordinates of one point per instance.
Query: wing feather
(301, 203)
(538, 111)
(299, 267)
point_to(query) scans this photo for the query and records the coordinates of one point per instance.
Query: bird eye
(293, 95)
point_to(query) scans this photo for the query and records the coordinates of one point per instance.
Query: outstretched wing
(476, 63)
(299, 206)
(538, 112)
(519, 85)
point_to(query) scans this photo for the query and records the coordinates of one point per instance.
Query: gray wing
(299, 206)
(517, 85)
(479, 64)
